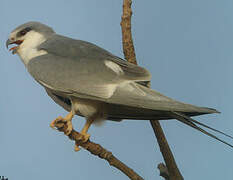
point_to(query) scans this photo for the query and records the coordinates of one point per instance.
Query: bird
(89, 81)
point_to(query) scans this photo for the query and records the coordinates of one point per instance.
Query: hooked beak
(8, 42)
(13, 49)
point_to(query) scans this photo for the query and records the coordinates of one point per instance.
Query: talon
(86, 136)
(69, 128)
(76, 148)
(66, 120)
(68, 131)
(59, 118)
(52, 124)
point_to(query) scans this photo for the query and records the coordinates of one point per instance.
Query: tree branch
(127, 40)
(173, 171)
(129, 53)
(97, 150)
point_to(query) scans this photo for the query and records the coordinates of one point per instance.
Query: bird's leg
(84, 133)
(66, 120)
(87, 125)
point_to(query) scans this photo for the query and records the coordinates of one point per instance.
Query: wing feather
(79, 68)
(68, 76)
(81, 50)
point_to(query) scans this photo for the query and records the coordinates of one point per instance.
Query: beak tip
(8, 42)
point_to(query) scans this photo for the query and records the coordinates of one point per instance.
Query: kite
(89, 81)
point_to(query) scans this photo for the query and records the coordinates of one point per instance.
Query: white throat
(28, 49)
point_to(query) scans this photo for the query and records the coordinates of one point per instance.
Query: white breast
(28, 49)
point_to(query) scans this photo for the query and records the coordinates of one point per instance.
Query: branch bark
(173, 171)
(98, 150)
(127, 40)
(129, 53)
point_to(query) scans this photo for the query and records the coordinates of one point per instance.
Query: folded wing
(79, 67)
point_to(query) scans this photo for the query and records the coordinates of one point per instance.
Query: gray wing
(79, 67)
(79, 50)
(134, 101)
(136, 95)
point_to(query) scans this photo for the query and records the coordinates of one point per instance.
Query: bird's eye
(24, 31)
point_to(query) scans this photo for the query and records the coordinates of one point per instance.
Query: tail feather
(191, 122)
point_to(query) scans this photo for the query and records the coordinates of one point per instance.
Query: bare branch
(130, 56)
(98, 150)
(173, 170)
(127, 40)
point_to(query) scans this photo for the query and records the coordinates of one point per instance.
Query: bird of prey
(89, 81)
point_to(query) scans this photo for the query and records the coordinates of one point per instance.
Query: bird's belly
(88, 108)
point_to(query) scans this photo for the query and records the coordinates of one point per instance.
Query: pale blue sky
(187, 46)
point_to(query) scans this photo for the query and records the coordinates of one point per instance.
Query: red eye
(23, 32)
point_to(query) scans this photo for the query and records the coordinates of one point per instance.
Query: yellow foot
(64, 120)
(86, 136)
(52, 124)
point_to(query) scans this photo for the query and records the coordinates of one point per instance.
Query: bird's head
(30, 33)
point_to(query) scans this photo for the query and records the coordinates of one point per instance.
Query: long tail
(191, 122)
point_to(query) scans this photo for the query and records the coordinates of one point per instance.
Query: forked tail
(192, 123)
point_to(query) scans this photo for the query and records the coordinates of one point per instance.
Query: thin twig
(129, 53)
(163, 171)
(98, 150)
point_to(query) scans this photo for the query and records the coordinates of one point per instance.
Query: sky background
(186, 45)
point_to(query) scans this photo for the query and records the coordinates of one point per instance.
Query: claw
(66, 120)
(76, 148)
(52, 124)
(86, 136)
(69, 128)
